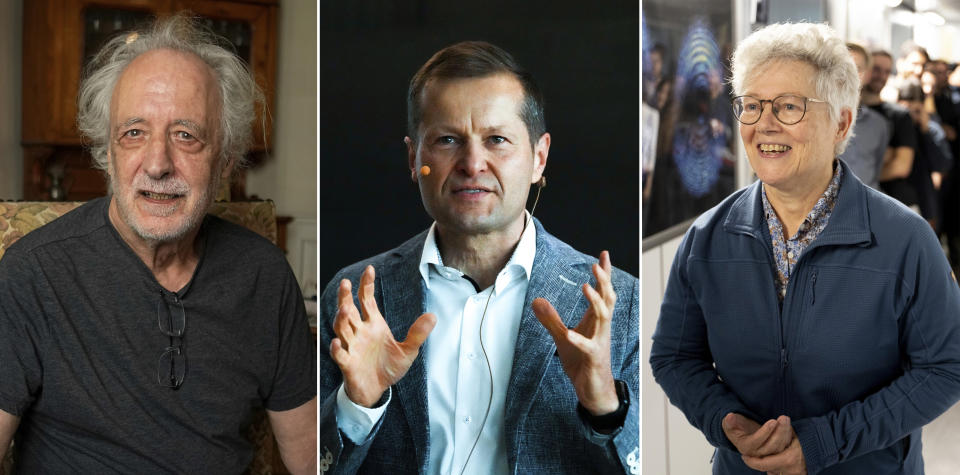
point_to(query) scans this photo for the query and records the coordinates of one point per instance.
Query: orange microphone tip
(424, 170)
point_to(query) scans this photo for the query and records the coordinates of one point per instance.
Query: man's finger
(579, 341)
(419, 331)
(602, 271)
(550, 319)
(368, 303)
(605, 261)
(596, 315)
(344, 296)
(343, 328)
(597, 303)
(347, 316)
(338, 353)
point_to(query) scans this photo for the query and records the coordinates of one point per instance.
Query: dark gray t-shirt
(80, 343)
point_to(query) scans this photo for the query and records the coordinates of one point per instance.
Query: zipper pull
(783, 358)
(813, 289)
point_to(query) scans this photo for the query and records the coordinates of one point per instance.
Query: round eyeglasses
(788, 108)
(172, 320)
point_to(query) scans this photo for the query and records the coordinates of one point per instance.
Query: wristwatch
(613, 420)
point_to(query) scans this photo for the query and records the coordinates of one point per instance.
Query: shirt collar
(821, 209)
(522, 257)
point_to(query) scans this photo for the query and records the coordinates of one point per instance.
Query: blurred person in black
(898, 161)
(913, 60)
(954, 76)
(946, 104)
(932, 156)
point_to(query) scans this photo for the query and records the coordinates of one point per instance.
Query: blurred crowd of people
(905, 138)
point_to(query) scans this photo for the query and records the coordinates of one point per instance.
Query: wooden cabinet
(59, 37)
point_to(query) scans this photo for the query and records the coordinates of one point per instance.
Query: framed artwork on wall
(689, 132)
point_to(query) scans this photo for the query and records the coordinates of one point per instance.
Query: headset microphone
(541, 184)
(424, 170)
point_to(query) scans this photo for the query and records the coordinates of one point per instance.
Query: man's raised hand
(370, 359)
(585, 350)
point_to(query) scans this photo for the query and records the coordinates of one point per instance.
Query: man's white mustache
(166, 186)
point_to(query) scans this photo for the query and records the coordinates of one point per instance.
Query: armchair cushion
(17, 218)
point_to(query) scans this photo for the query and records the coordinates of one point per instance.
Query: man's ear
(411, 157)
(227, 168)
(540, 152)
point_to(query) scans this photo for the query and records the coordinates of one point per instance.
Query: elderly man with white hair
(137, 333)
(810, 323)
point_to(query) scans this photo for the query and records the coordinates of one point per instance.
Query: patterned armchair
(18, 218)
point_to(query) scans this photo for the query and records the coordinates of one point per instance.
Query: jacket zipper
(784, 357)
(784, 361)
(783, 306)
(813, 289)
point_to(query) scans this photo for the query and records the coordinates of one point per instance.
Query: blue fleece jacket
(863, 351)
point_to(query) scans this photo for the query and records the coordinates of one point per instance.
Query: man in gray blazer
(520, 353)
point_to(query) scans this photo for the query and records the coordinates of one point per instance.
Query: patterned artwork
(686, 60)
(699, 142)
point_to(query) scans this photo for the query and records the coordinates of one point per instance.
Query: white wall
(940, 41)
(289, 177)
(671, 446)
(11, 158)
(868, 22)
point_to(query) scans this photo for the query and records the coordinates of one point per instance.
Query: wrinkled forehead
(169, 82)
(497, 96)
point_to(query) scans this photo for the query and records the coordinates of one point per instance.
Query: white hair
(835, 81)
(239, 93)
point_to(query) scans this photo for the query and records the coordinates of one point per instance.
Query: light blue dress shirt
(460, 364)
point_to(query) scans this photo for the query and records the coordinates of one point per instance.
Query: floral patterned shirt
(786, 251)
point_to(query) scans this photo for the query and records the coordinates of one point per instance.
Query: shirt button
(356, 427)
(467, 419)
(471, 355)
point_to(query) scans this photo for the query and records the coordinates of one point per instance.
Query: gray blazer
(543, 431)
